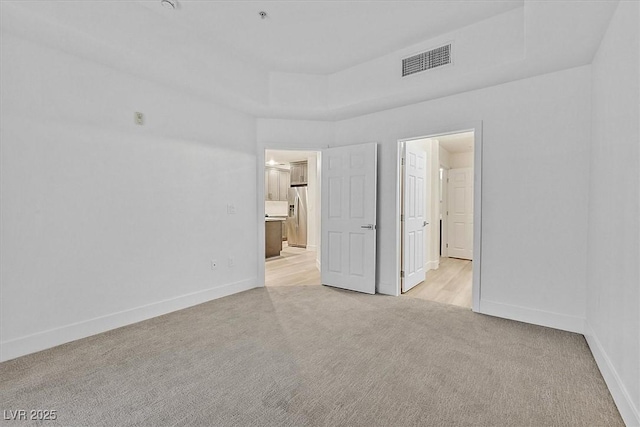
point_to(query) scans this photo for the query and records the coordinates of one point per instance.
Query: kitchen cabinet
(276, 184)
(299, 173)
(272, 239)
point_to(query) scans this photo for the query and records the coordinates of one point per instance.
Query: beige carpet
(313, 355)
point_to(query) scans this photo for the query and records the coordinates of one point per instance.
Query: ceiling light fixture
(169, 3)
(263, 14)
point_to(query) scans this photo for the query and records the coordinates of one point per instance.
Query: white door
(413, 214)
(348, 258)
(460, 194)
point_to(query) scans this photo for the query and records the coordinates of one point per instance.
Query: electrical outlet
(231, 209)
(139, 118)
(214, 264)
(230, 262)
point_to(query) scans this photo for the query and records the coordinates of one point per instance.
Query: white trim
(64, 334)
(533, 316)
(318, 265)
(398, 268)
(477, 217)
(629, 412)
(444, 235)
(312, 247)
(432, 265)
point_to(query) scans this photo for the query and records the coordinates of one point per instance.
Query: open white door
(460, 239)
(414, 222)
(348, 258)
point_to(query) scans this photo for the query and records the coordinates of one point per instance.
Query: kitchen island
(273, 236)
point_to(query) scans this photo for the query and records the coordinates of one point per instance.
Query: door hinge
(402, 161)
(447, 245)
(402, 274)
(401, 217)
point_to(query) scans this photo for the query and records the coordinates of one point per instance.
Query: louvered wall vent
(427, 60)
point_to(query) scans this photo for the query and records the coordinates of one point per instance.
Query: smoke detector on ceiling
(262, 14)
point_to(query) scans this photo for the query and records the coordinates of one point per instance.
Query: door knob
(425, 223)
(368, 226)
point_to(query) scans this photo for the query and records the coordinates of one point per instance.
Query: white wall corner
(387, 289)
(75, 331)
(318, 265)
(628, 410)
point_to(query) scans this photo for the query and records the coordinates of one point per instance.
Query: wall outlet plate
(231, 209)
(139, 118)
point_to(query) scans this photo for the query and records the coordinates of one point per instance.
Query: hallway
(449, 284)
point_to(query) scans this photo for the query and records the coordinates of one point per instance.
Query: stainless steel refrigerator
(297, 220)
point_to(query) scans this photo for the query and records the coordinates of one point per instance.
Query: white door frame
(444, 235)
(434, 132)
(261, 163)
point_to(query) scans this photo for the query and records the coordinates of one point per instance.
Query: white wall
(613, 279)
(536, 274)
(445, 157)
(104, 222)
(292, 90)
(461, 160)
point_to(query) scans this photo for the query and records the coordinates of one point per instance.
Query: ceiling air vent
(427, 60)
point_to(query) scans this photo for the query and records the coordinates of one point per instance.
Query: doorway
(346, 201)
(292, 218)
(439, 212)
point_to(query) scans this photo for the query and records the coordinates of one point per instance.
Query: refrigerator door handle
(297, 212)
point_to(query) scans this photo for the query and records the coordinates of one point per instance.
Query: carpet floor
(315, 356)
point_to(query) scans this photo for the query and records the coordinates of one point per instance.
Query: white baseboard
(533, 316)
(432, 265)
(64, 334)
(312, 247)
(628, 410)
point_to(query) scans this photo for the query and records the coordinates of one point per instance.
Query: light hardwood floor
(294, 267)
(449, 284)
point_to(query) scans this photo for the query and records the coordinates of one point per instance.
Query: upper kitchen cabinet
(299, 173)
(276, 184)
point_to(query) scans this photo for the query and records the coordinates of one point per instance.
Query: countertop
(275, 218)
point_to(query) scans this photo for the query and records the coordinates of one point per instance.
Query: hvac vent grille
(427, 60)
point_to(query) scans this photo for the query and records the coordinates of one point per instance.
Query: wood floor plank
(449, 284)
(294, 267)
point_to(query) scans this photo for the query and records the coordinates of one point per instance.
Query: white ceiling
(457, 143)
(221, 51)
(321, 37)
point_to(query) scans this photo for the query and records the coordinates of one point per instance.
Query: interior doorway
(292, 218)
(438, 212)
